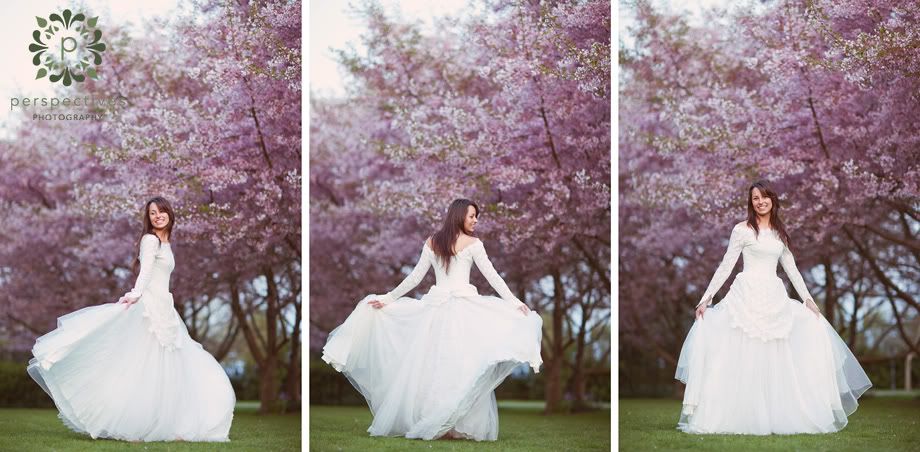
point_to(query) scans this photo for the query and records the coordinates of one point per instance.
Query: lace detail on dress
(756, 309)
(164, 323)
(757, 301)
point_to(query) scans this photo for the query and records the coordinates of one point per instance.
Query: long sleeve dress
(132, 372)
(428, 367)
(759, 362)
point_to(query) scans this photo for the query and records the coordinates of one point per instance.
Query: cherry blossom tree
(510, 108)
(804, 94)
(212, 122)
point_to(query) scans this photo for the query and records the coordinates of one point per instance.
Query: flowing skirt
(133, 374)
(430, 367)
(760, 363)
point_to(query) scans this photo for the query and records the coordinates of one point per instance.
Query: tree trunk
(554, 366)
(579, 382)
(269, 389)
(907, 371)
(851, 341)
(264, 352)
(268, 385)
(292, 378)
(830, 291)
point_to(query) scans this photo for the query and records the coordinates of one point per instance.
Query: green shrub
(18, 390)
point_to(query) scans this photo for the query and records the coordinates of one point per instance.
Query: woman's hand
(376, 304)
(812, 306)
(700, 310)
(127, 301)
(523, 308)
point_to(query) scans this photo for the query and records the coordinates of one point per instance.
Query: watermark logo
(67, 47)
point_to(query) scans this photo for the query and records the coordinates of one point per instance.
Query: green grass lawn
(521, 427)
(879, 424)
(24, 429)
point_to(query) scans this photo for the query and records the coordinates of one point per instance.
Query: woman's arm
(788, 263)
(414, 278)
(149, 245)
(735, 244)
(485, 267)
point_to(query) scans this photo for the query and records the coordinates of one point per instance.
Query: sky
(333, 26)
(694, 10)
(17, 21)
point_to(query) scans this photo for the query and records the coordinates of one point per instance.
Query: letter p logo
(64, 46)
(81, 47)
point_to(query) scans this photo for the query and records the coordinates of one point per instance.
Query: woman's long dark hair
(775, 222)
(442, 242)
(163, 205)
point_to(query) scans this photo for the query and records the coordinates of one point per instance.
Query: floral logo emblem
(71, 49)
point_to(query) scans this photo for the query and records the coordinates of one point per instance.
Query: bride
(129, 370)
(428, 368)
(759, 363)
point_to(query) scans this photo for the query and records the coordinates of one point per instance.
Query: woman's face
(469, 222)
(158, 218)
(761, 202)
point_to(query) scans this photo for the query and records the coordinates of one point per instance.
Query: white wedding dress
(429, 367)
(759, 362)
(131, 372)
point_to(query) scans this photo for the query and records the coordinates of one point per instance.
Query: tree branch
(879, 272)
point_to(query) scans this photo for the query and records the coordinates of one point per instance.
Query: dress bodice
(157, 263)
(455, 279)
(163, 264)
(152, 290)
(760, 252)
(458, 274)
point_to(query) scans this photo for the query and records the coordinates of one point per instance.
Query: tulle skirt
(430, 367)
(760, 363)
(133, 374)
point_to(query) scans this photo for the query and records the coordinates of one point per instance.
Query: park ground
(23, 429)
(881, 423)
(522, 427)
